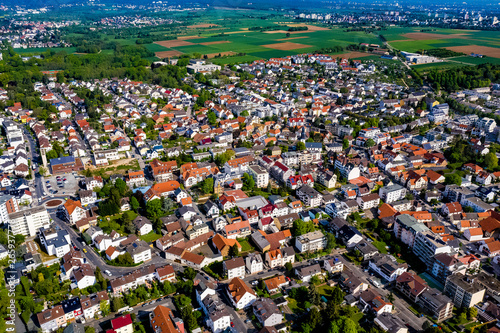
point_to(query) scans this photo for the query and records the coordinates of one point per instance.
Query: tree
(207, 186)
(212, 118)
(370, 143)
(244, 113)
(234, 251)
(301, 146)
(314, 296)
(189, 273)
(452, 178)
(248, 182)
(104, 306)
(471, 313)
(116, 303)
(134, 204)
(42, 171)
(468, 209)
(337, 295)
(153, 209)
(300, 227)
(289, 267)
(491, 161)
(168, 205)
(330, 241)
(345, 144)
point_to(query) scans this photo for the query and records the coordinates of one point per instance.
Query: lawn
(380, 245)
(151, 237)
(245, 245)
(325, 290)
(440, 65)
(111, 223)
(357, 317)
(292, 304)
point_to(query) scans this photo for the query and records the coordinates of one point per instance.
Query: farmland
(235, 36)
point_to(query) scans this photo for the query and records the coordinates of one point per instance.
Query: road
(97, 261)
(400, 305)
(101, 325)
(239, 324)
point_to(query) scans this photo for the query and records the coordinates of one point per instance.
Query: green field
(476, 61)
(230, 31)
(440, 65)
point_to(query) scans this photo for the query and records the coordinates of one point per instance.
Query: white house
(240, 294)
(234, 268)
(254, 263)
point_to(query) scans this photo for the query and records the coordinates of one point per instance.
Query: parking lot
(69, 187)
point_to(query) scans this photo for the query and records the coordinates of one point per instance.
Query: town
(301, 193)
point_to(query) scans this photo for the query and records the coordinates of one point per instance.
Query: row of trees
(464, 77)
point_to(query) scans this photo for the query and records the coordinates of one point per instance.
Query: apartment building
(433, 302)
(8, 205)
(260, 175)
(309, 196)
(234, 268)
(462, 290)
(27, 222)
(392, 193)
(427, 245)
(312, 241)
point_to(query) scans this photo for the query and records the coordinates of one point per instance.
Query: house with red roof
(121, 324)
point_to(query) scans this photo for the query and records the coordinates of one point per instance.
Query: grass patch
(277, 295)
(110, 223)
(292, 304)
(245, 245)
(357, 317)
(215, 270)
(151, 237)
(380, 246)
(325, 290)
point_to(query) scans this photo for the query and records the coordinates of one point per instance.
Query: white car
(108, 273)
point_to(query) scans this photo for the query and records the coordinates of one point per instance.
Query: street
(400, 305)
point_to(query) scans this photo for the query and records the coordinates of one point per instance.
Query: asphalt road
(239, 324)
(101, 325)
(95, 260)
(400, 305)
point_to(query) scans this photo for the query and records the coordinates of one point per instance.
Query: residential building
(427, 245)
(309, 196)
(240, 294)
(390, 323)
(122, 324)
(387, 267)
(372, 301)
(162, 320)
(8, 205)
(27, 222)
(312, 241)
(462, 290)
(436, 304)
(411, 285)
(333, 265)
(260, 175)
(306, 273)
(267, 312)
(56, 242)
(392, 193)
(234, 268)
(51, 319)
(91, 304)
(254, 263)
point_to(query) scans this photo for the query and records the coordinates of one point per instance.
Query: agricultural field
(236, 36)
(466, 41)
